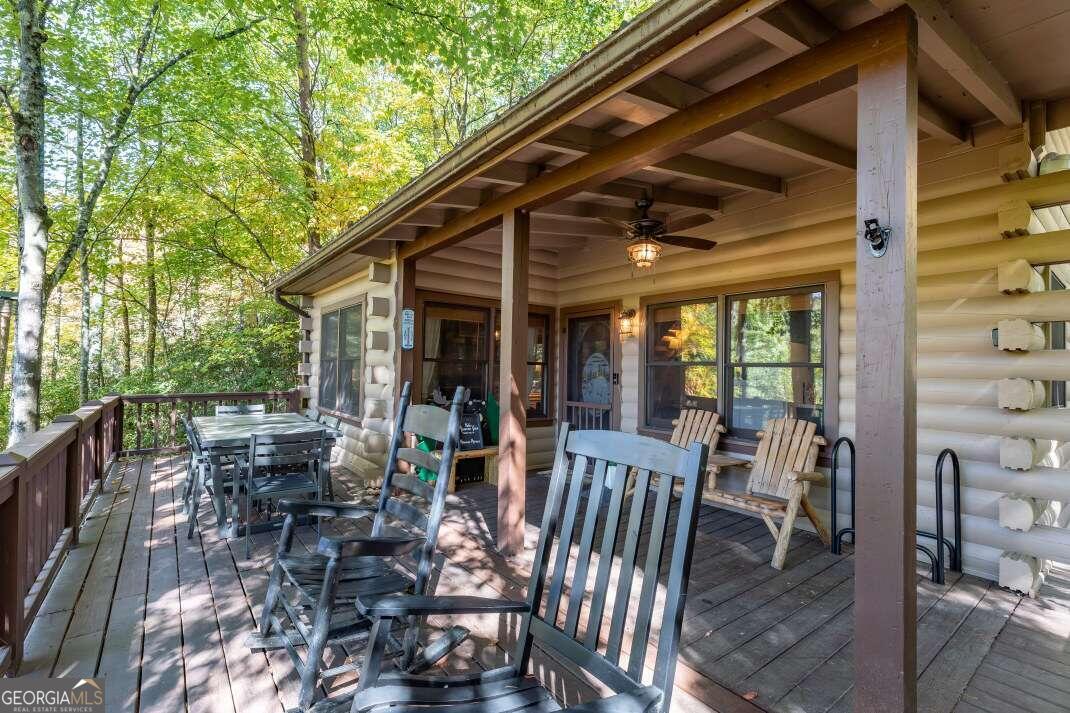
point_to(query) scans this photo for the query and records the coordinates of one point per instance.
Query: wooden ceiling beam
(587, 211)
(947, 43)
(829, 67)
(938, 124)
(666, 94)
(510, 173)
(661, 195)
(793, 27)
(580, 141)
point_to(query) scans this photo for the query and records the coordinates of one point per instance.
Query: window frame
(736, 442)
(649, 365)
(546, 364)
(425, 298)
(358, 368)
(730, 364)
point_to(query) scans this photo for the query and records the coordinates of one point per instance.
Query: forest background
(161, 161)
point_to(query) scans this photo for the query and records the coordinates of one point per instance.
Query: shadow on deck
(164, 618)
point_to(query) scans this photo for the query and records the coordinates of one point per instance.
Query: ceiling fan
(646, 235)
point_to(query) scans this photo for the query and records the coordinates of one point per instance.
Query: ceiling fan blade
(684, 241)
(626, 227)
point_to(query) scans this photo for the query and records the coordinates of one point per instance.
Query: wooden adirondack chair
(584, 624)
(310, 597)
(779, 485)
(701, 426)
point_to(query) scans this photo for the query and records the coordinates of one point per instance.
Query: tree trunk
(152, 318)
(309, 169)
(29, 134)
(98, 354)
(53, 363)
(124, 308)
(84, 335)
(5, 337)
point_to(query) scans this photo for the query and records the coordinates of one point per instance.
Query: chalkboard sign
(471, 432)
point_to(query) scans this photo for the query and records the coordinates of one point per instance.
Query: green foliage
(208, 170)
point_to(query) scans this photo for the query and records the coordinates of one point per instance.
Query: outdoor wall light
(627, 323)
(877, 237)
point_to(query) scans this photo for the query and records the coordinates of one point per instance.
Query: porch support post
(512, 435)
(406, 296)
(885, 392)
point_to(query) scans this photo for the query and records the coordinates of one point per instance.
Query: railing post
(117, 425)
(72, 496)
(295, 399)
(12, 550)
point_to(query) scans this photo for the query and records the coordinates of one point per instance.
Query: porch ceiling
(970, 69)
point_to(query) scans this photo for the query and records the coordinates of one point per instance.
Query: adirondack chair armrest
(397, 605)
(367, 546)
(324, 508)
(639, 700)
(806, 477)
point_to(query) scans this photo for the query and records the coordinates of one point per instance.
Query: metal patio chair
(278, 466)
(197, 482)
(598, 621)
(310, 597)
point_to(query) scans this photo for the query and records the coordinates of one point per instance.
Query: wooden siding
(811, 232)
(366, 436)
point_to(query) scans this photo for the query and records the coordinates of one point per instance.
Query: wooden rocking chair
(598, 619)
(310, 597)
(779, 485)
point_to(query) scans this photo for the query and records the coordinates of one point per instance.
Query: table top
(235, 430)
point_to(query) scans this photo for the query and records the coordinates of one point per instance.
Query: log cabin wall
(366, 433)
(810, 231)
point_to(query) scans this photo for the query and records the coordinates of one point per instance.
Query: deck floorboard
(164, 619)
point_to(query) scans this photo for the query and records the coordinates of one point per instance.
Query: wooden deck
(164, 618)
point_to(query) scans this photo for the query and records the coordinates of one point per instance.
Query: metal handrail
(836, 545)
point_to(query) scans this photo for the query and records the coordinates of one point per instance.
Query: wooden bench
(490, 464)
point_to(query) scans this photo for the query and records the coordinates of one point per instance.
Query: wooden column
(885, 391)
(512, 435)
(406, 292)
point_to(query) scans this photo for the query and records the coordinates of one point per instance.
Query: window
(681, 360)
(538, 362)
(341, 344)
(775, 367)
(455, 346)
(751, 357)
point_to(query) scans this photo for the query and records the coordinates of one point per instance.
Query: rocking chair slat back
(788, 445)
(578, 638)
(414, 421)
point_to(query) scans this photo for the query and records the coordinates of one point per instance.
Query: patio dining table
(223, 436)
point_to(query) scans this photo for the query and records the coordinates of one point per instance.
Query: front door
(591, 388)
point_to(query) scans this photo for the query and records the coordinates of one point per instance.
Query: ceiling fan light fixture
(644, 252)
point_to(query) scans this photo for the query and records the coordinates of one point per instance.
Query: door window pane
(590, 377)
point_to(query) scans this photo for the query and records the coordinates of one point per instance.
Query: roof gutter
(276, 294)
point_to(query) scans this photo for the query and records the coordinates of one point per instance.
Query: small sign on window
(408, 328)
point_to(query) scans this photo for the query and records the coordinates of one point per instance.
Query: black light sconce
(877, 237)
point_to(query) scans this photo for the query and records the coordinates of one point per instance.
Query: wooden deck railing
(48, 479)
(150, 422)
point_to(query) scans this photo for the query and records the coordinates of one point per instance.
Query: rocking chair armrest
(325, 508)
(367, 546)
(644, 699)
(396, 605)
(806, 478)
